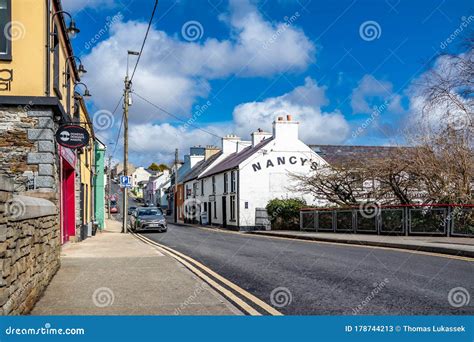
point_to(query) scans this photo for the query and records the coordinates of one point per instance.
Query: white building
(246, 175)
(155, 189)
(139, 175)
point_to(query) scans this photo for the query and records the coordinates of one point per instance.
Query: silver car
(148, 219)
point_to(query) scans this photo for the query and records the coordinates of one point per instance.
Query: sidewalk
(445, 245)
(116, 274)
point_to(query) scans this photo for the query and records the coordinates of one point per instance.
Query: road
(324, 278)
(327, 279)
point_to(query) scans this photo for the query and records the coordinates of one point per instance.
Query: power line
(145, 38)
(176, 116)
(118, 135)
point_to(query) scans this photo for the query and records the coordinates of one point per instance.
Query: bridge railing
(437, 220)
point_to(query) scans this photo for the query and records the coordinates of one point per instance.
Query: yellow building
(39, 76)
(85, 178)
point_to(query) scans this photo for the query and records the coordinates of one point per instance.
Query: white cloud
(78, 5)
(153, 141)
(304, 103)
(175, 73)
(369, 88)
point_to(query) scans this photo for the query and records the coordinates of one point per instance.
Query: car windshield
(149, 212)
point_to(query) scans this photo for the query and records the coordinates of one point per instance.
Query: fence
(442, 220)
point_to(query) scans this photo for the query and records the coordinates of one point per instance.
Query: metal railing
(438, 220)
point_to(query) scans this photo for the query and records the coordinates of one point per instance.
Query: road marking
(402, 250)
(186, 260)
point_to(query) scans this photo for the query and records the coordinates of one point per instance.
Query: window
(5, 19)
(202, 187)
(232, 208)
(225, 183)
(56, 76)
(233, 181)
(213, 184)
(195, 184)
(215, 210)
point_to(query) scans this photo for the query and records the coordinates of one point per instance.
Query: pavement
(445, 245)
(117, 274)
(301, 277)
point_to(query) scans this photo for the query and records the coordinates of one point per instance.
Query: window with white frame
(202, 187)
(233, 181)
(213, 184)
(232, 208)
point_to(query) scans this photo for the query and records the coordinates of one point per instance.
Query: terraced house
(40, 90)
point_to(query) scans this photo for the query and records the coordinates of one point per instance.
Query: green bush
(285, 213)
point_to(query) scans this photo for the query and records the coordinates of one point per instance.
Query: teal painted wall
(99, 182)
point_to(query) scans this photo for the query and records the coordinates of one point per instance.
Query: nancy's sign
(292, 160)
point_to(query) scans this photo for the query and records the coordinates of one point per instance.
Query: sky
(346, 70)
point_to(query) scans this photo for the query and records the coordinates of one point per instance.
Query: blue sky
(252, 60)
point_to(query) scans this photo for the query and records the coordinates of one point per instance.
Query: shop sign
(72, 136)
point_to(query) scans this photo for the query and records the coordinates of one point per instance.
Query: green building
(99, 182)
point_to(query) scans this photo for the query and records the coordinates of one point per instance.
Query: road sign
(125, 181)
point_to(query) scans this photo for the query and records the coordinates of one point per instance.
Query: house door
(224, 212)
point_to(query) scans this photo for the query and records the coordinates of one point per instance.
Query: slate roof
(200, 167)
(343, 154)
(233, 160)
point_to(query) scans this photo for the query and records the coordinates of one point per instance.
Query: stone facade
(29, 249)
(28, 148)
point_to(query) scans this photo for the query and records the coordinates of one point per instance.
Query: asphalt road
(327, 279)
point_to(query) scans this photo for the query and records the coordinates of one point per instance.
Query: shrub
(285, 213)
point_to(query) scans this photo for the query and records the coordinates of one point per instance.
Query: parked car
(114, 209)
(148, 219)
(131, 210)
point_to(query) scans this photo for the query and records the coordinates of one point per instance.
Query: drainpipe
(48, 47)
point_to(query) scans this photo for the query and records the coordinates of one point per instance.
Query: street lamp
(131, 53)
(77, 96)
(81, 70)
(72, 29)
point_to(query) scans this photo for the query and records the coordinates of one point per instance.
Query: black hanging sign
(72, 136)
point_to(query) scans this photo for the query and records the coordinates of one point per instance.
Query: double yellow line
(212, 278)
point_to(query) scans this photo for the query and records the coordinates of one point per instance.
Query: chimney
(210, 151)
(285, 129)
(229, 143)
(259, 136)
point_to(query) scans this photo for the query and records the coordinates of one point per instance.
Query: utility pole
(110, 187)
(126, 103)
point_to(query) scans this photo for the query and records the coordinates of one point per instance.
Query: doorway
(224, 212)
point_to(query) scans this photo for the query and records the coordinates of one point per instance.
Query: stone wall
(27, 145)
(29, 249)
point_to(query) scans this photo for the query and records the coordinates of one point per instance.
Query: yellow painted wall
(29, 52)
(87, 164)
